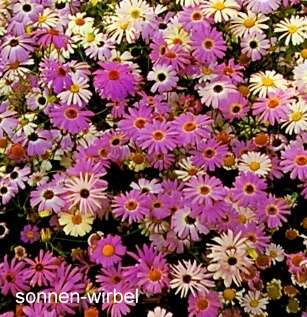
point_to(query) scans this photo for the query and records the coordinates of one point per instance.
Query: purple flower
(30, 234)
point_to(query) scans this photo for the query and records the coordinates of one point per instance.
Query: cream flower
(297, 118)
(222, 10)
(255, 162)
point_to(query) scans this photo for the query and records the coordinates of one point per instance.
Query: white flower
(275, 252)
(188, 170)
(159, 312)
(189, 276)
(297, 118)
(222, 10)
(78, 94)
(264, 82)
(77, 23)
(293, 29)
(255, 162)
(254, 302)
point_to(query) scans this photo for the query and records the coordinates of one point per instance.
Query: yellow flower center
(254, 165)
(292, 28)
(74, 88)
(42, 18)
(249, 22)
(135, 13)
(206, 70)
(218, 5)
(304, 53)
(108, 250)
(202, 303)
(90, 37)
(254, 303)
(154, 274)
(124, 25)
(296, 116)
(267, 81)
(229, 294)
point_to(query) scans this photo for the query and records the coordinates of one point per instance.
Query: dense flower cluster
(158, 146)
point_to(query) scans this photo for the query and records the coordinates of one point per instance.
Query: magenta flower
(131, 206)
(248, 189)
(208, 44)
(30, 234)
(11, 277)
(71, 118)
(204, 190)
(46, 37)
(157, 137)
(114, 80)
(294, 160)
(204, 304)
(41, 270)
(109, 251)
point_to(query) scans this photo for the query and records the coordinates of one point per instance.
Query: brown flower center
(113, 74)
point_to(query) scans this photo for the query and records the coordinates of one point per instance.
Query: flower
(164, 76)
(159, 312)
(75, 223)
(254, 302)
(85, 192)
(294, 160)
(30, 234)
(77, 94)
(262, 6)
(255, 162)
(255, 45)
(204, 304)
(189, 276)
(16, 48)
(114, 81)
(108, 251)
(293, 29)
(263, 83)
(228, 258)
(222, 10)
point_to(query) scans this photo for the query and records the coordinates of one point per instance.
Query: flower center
(53, 32)
(161, 76)
(187, 278)
(292, 28)
(10, 277)
(48, 194)
(84, 193)
(170, 54)
(253, 44)
(138, 158)
(113, 74)
(61, 71)
(249, 189)
(189, 126)
(254, 166)
(202, 303)
(249, 22)
(267, 81)
(218, 88)
(209, 153)
(196, 15)
(154, 274)
(208, 43)
(42, 19)
(235, 108)
(124, 25)
(131, 204)
(304, 53)
(140, 123)
(273, 102)
(14, 42)
(135, 13)
(90, 37)
(71, 113)
(301, 160)
(108, 250)
(76, 219)
(296, 116)
(204, 190)
(219, 5)
(3, 190)
(26, 8)
(74, 88)
(232, 260)
(254, 303)
(177, 40)
(39, 267)
(158, 135)
(79, 21)
(272, 210)
(229, 294)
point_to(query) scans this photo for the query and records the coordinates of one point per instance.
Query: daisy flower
(221, 10)
(188, 276)
(78, 23)
(208, 44)
(165, 78)
(76, 224)
(204, 190)
(70, 118)
(255, 162)
(30, 234)
(263, 83)
(214, 93)
(294, 160)
(255, 45)
(228, 258)
(235, 106)
(296, 121)
(188, 169)
(272, 108)
(248, 189)
(85, 192)
(262, 6)
(47, 19)
(254, 302)
(293, 30)
(159, 312)
(157, 137)
(273, 211)
(109, 251)
(275, 252)
(204, 304)
(78, 93)
(131, 206)
(245, 23)
(115, 80)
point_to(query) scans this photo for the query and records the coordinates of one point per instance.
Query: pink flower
(204, 304)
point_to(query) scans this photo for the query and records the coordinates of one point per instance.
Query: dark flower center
(33, 137)
(115, 141)
(84, 193)
(232, 261)
(162, 26)
(218, 88)
(236, 109)
(186, 278)
(14, 175)
(60, 5)
(10, 277)
(161, 77)
(253, 44)
(26, 8)
(249, 189)
(41, 100)
(2, 230)
(113, 74)
(48, 194)
(14, 42)
(71, 113)
(196, 16)
(61, 71)
(3, 190)
(189, 220)
(39, 267)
